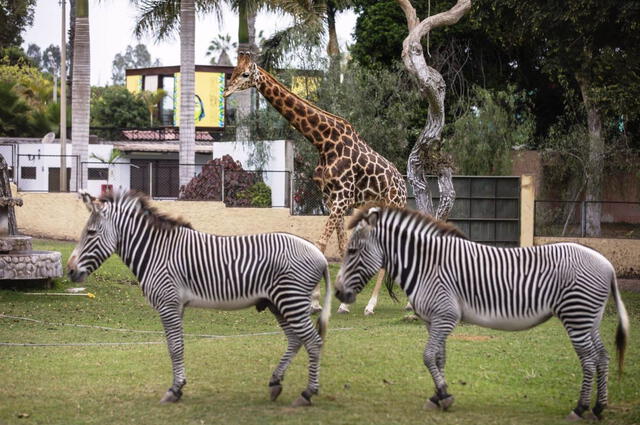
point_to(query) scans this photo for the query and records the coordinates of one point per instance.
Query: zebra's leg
(309, 336)
(434, 359)
(583, 344)
(171, 316)
(602, 368)
(293, 346)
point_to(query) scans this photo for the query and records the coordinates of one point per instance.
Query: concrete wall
(63, 216)
(624, 254)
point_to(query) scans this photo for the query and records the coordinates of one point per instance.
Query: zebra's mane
(155, 217)
(442, 227)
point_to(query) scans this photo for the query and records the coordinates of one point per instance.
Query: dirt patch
(476, 338)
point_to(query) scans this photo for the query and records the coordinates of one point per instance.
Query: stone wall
(63, 216)
(624, 254)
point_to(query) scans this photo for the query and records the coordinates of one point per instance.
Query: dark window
(27, 172)
(98, 173)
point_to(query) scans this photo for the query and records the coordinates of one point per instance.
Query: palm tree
(223, 45)
(187, 91)
(81, 92)
(151, 100)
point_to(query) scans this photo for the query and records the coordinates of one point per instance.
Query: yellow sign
(305, 87)
(134, 83)
(209, 103)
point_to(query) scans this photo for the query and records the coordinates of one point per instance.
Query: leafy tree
(221, 46)
(484, 136)
(577, 44)
(133, 57)
(34, 54)
(15, 16)
(115, 106)
(19, 118)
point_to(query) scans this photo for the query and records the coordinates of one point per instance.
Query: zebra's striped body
(179, 267)
(450, 279)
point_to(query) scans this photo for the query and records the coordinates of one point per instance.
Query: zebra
(178, 266)
(448, 279)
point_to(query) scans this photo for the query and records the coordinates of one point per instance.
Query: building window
(98, 173)
(28, 173)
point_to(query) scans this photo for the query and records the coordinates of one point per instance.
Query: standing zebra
(178, 267)
(448, 279)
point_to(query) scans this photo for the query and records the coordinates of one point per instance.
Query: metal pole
(583, 215)
(151, 180)
(63, 99)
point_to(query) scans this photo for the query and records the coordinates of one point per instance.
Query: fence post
(290, 174)
(221, 183)
(151, 180)
(527, 204)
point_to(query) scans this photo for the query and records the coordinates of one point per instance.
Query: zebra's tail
(323, 320)
(622, 333)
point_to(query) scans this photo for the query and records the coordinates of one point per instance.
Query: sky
(112, 22)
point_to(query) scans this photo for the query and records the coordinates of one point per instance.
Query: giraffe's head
(244, 76)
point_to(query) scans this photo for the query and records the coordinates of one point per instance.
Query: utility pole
(55, 78)
(63, 100)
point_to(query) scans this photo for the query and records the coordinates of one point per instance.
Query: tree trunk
(81, 92)
(243, 98)
(333, 47)
(427, 156)
(72, 36)
(187, 91)
(595, 163)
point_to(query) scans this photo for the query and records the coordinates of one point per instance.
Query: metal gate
(487, 209)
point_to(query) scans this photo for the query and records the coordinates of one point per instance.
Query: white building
(151, 167)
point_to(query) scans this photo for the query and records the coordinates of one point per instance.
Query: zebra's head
(97, 242)
(364, 256)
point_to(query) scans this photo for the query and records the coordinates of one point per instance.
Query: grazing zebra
(178, 267)
(448, 279)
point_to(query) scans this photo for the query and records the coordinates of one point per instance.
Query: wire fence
(571, 219)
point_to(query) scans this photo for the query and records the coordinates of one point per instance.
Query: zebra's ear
(372, 216)
(89, 201)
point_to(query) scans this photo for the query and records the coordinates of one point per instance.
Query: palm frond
(287, 40)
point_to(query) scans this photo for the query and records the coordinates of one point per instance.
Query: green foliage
(259, 194)
(115, 106)
(493, 125)
(19, 118)
(15, 17)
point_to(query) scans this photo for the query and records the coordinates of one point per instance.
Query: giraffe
(349, 173)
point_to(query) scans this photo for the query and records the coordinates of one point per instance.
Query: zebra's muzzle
(77, 275)
(347, 297)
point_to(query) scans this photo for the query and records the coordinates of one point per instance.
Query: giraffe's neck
(315, 124)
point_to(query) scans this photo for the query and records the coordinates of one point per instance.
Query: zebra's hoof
(408, 307)
(445, 403)
(170, 397)
(343, 309)
(589, 416)
(430, 405)
(274, 391)
(315, 309)
(301, 402)
(574, 417)
(368, 311)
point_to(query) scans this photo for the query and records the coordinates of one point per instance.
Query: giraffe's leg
(315, 300)
(293, 346)
(171, 316)
(602, 368)
(434, 359)
(373, 301)
(335, 222)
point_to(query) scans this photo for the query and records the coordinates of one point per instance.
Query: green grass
(372, 373)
